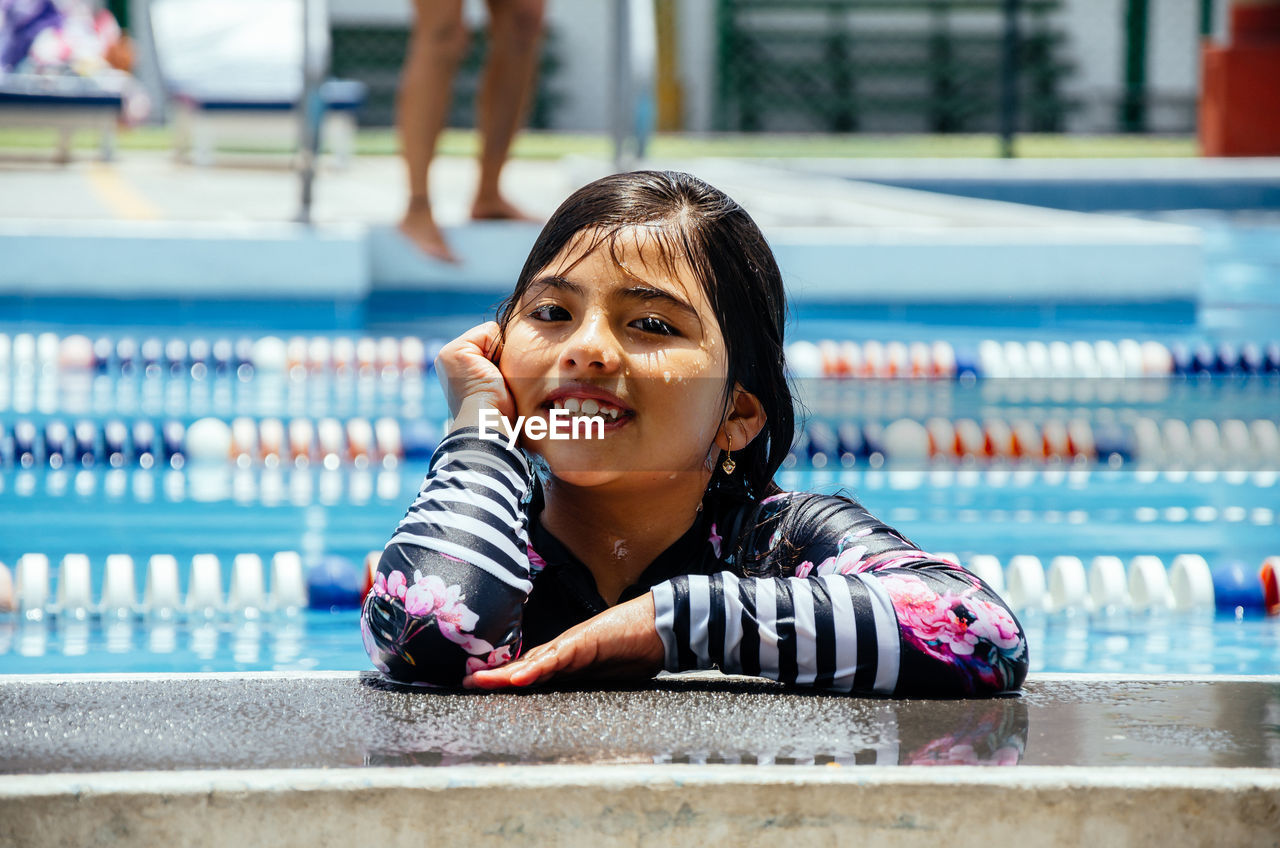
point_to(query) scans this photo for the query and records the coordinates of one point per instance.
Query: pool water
(1223, 508)
(330, 640)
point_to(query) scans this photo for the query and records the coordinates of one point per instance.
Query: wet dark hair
(694, 222)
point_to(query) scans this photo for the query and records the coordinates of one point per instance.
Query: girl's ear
(744, 422)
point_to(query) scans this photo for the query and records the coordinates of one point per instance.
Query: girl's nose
(592, 347)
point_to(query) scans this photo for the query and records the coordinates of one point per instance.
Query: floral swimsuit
(807, 589)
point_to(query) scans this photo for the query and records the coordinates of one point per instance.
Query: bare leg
(515, 28)
(436, 46)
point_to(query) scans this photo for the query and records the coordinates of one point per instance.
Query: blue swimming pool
(1052, 438)
(323, 640)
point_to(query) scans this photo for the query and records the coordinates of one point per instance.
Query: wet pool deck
(315, 758)
(146, 226)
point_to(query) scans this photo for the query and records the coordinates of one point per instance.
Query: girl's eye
(549, 312)
(649, 324)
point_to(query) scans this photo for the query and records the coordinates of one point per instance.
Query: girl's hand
(620, 643)
(467, 368)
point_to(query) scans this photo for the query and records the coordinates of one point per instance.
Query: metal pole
(620, 111)
(642, 54)
(1206, 18)
(1009, 80)
(1133, 108)
(310, 107)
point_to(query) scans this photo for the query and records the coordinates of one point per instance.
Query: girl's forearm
(450, 587)
(883, 632)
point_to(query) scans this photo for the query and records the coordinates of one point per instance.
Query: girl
(652, 302)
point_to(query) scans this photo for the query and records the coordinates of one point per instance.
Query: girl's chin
(615, 478)
(580, 464)
(587, 479)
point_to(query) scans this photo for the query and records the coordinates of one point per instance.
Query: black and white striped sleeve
(867, 612)
(830, 632)
(451, 583)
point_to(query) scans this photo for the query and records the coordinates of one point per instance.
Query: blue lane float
(418, 439)
(334, 582)
(1237, 588)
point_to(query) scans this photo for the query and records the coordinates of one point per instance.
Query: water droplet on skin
(666, 376)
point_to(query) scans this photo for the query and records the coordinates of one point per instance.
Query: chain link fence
(374, 54)
(876, 66)
(958, 66)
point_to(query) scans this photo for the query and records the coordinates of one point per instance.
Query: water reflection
(682, 722)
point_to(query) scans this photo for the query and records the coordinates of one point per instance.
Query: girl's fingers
(538, 666)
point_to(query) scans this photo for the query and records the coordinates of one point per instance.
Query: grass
(553, 145)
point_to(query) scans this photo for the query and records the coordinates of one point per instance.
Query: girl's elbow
(403, 650)
(437, 645)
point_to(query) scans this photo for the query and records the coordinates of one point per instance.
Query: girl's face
(628, 336)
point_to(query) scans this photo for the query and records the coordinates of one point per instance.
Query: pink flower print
(949, 626)
(803, 569)
(714, 539)
(925, 616)
(536, 562)
(1006, 756)
(993, 623)
(380, 585)
(456, 621)
(863, 533)
(850, 561)
(894, 559)
(909, 591)
(425, 596)
(397, 584)
(501, 656)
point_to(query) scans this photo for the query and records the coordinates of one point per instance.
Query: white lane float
(1068, 585)
(161, 596)
(269, 355)
(119, 598)
(31, 585)
(1149, 584)
(1191, 584)
(987, 568)
(248, 588)
(75, 592)
(288, 582)
(204, 591)
(1026, 585)
(1108, 584)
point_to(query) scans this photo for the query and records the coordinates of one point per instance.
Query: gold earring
(728, 465)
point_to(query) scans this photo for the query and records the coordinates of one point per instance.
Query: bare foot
(420, 228)
(498, 209)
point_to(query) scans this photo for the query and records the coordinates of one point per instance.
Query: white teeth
(587, 407)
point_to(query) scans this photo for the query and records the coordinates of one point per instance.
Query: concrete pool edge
(627, 804)
(1064, 676)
